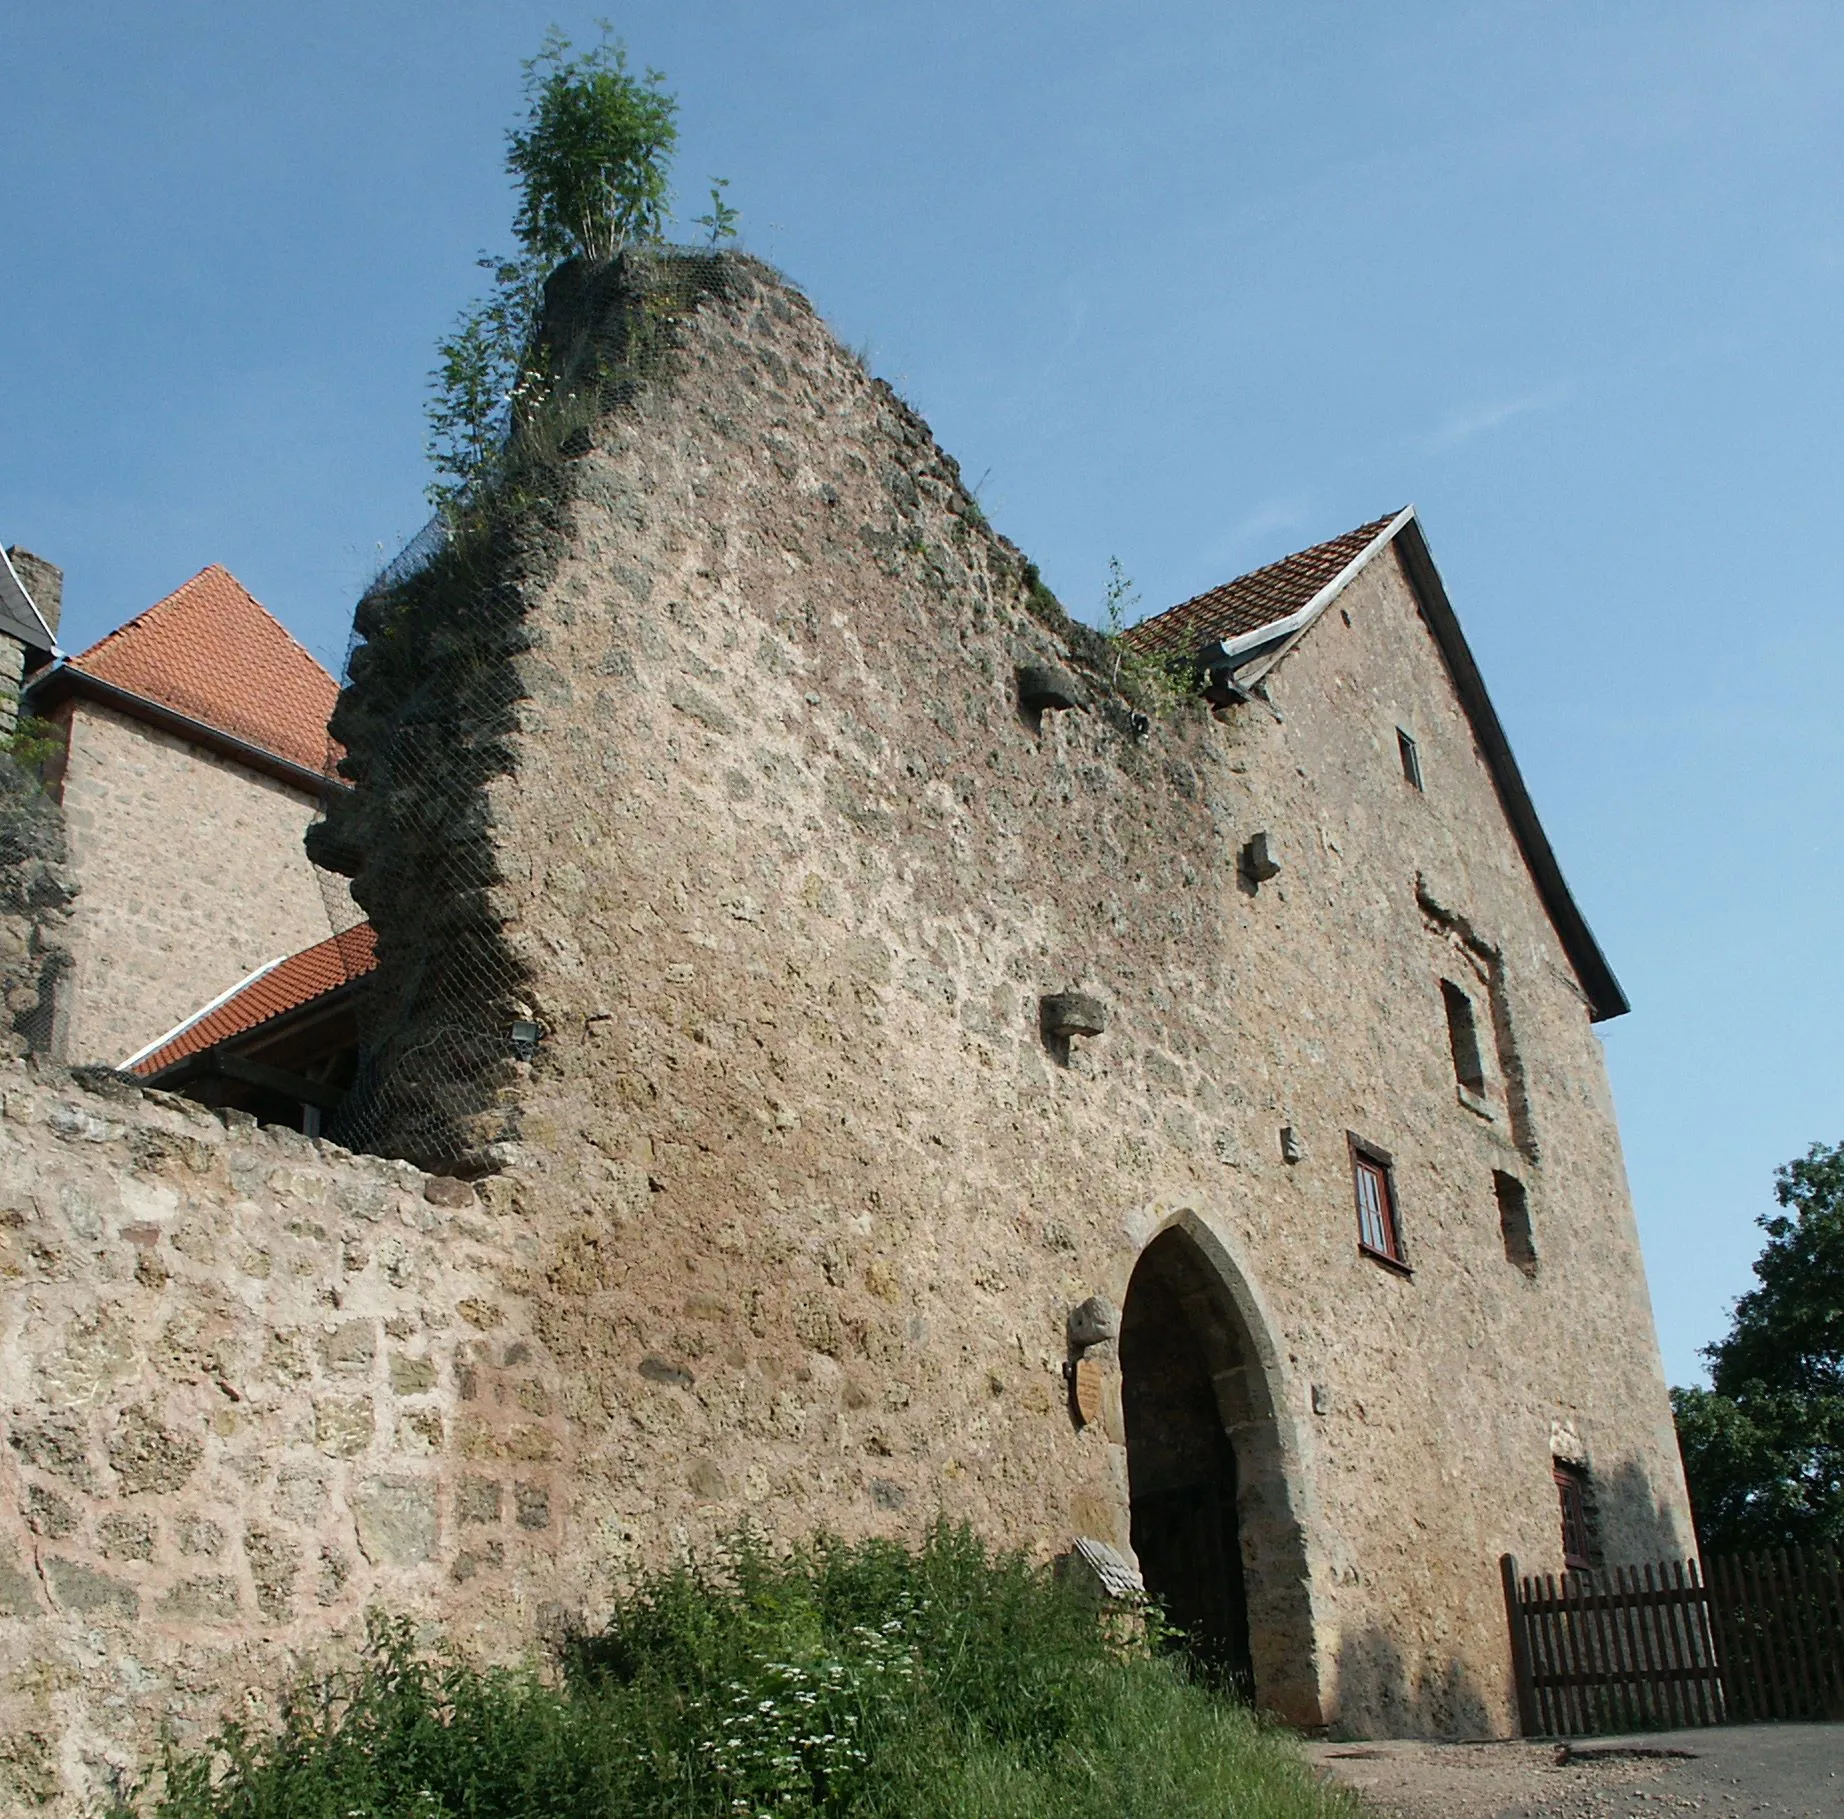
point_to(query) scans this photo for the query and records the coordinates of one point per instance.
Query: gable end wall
(190, 871)
(783, 872)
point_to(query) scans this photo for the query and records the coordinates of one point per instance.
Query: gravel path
(1787, 1771)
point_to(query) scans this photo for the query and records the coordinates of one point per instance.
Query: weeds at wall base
(949, 1682)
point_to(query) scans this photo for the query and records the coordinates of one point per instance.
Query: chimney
(43, 580)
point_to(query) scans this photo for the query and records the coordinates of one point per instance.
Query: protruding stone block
(1093, 1322)
(1259, 863)
(1041, 686)
(1066, 1014)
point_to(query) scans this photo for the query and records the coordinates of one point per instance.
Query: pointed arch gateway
(1210, 1471)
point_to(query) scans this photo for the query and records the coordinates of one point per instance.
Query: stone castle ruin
(857, 1058)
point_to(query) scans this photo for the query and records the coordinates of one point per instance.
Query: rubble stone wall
(254, 1386)
(37, 888)
(784, 870)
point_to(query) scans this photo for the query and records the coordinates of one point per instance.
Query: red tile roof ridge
(280, 986)
(1264, 596)
(210, 650)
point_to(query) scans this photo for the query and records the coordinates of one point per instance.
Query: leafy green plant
(487, 370)
(1151, 680)
(32, 743)
(949, 1682)
(722, 220)
(591, 161)
(592, 157)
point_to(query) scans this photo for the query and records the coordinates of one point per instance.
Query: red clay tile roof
(297, 980)
(1256, 599)
(211, 652)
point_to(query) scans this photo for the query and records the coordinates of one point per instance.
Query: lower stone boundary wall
(254, 1385)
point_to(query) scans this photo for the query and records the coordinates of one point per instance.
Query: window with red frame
(1572, 1494)
(1379, 1232)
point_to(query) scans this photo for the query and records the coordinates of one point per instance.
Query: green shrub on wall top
(484, 372)
(591, 161)
(593, 154)
(1151, 680)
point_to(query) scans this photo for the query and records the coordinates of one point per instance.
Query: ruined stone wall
(191, 874)
(783, 871)
(254, 1385)
(37, 888)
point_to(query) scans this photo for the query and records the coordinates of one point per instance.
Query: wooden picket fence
(1658, 1647)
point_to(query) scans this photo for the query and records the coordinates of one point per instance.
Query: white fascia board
(198, 1016)
(1284, 634)
(12, 574)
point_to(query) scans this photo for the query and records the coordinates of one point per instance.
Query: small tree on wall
(592, 156)
(1764, 1445)
(591, 161)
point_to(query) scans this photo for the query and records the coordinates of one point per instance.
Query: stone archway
(1213, 1511)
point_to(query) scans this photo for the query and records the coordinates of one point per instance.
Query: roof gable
(211, 652)
(1259, 600)
(1252, 622)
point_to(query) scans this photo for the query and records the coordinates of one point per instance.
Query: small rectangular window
(1514, 1221)
(1463, 1039)
(1379, 1231)
(1411, 758)
(1572, 1495)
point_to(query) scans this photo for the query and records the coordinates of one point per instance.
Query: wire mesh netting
(423, 759)
(36, 891)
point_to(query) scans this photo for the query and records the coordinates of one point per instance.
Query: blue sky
(1190, 284)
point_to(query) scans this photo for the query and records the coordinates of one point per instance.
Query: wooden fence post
(1527, 1721)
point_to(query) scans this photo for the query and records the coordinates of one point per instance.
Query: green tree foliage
(32, 743)
(592, 156)
(1764, 1444)
(484, 369)
(945, 1683)
(591, 162)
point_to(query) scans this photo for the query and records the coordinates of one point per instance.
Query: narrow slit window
(1379, 1232)
(1411, 757)
(1514, 1221)
(1463, 1038)
(1572, 1496)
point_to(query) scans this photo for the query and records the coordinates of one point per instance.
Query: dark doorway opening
(1180, 1355)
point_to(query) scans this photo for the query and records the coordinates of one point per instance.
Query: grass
(950, 1682)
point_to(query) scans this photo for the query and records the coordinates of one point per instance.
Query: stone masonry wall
(783, 871)
(36, 891)
(254, 1385)
(191, 875)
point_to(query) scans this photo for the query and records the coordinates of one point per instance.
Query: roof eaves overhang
(1606, 999)
(64, 679)
(256, 1037)
(1251, 656)
(225, 1063)
(198, 1016)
